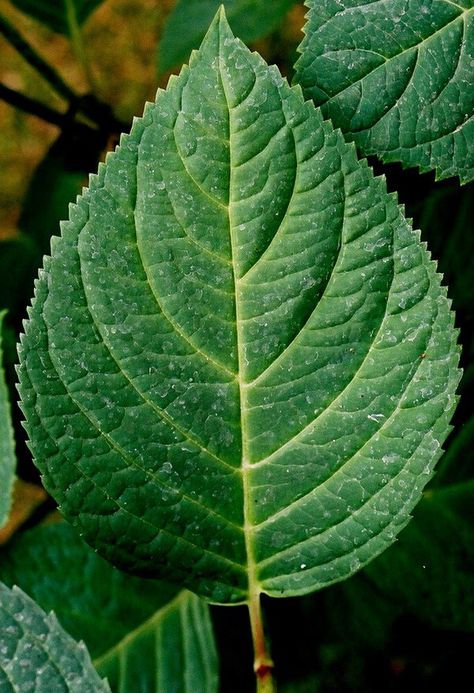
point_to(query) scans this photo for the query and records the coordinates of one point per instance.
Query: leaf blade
(309, 336)
(36, 653)
(7, 442)
(396, 78)
(187, 24)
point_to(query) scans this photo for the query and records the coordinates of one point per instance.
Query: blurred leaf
(55, 183)
(54, 13)
(130, 625)
(189, 20)
(430, 570)
(173, 651)
(36, 654)
(94, 601)
(457, 463)
(7, 443)
(19, 260)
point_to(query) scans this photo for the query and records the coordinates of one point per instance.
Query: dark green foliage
(58, 14)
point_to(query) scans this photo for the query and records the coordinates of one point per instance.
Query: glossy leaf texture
(189, 19)
(58, 14)
(36, 654)
(7, 443)
(129, 625)
(240, 364)
(396, 77)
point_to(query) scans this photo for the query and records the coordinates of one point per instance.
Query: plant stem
(78, 43)
(21, 45)
(263, 664)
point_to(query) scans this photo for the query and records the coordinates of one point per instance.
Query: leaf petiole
(263, 663)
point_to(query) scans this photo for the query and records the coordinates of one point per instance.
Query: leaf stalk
(263, 663)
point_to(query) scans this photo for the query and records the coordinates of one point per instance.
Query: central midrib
(253, 585)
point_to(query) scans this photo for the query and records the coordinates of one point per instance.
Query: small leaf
(189, 20)
(240, 364)
(36, 654)
(173, 651)
(54, 13)
(143, 635)
(396, 77)
(7, 442)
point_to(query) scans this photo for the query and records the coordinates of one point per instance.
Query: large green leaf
(189, 20)
(240, 364)
(396, 77)
(36, 654)
(58, 14)
(7, 443)
(130, 625)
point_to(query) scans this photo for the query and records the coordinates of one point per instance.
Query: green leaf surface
(58, 14)
(7, 443)
(130, 625)
(36, 654)
(240, 364)
(173, 651)
(189, 20)
(94, 601)
(396, 77)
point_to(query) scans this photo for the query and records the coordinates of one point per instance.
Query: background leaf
(142, 634)
(396, 77)
(93, 601)
(7, 443)
(430, 570)
(270, 424)
(54, 13)
(189, 20)
(36, 654)
(173, 651)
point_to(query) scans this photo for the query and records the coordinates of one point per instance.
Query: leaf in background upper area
(240, 364)
(36, 654)
(7, 442)
(127, 623)
(54, 13)
(397, 77)
(189, 20)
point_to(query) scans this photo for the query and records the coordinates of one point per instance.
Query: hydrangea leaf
(62, 574)
(189, 19)
(36, 654)
(142, 660)
(396, 77)
(7, 443)
(139, 619)
(240, 364)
